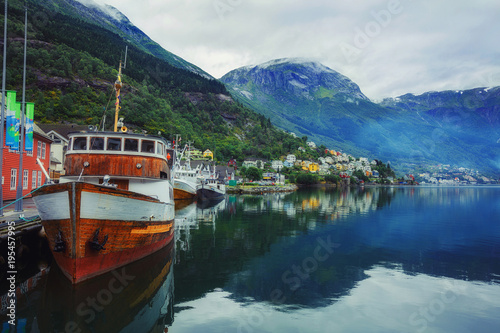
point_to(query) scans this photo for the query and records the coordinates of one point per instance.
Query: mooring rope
(13, 202)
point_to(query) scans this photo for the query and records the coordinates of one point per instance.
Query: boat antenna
(125, 62)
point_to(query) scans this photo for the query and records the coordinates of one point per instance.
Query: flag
(15, 128)
(10, 137)
(30, 113)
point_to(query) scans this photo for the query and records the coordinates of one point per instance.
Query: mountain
(110, 18)
(308, 98)
(470, 117)
(71, 69)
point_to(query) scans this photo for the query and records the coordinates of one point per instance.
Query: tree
(254, 173)
(307, 179)
(361, 175)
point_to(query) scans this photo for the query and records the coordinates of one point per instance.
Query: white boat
(185, 179)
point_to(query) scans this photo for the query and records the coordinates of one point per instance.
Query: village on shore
(309, 165)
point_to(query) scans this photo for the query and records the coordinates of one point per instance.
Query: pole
(118, 86)
(19, 194)
(3, 103)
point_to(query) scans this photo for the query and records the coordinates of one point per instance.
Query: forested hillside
(71, 68)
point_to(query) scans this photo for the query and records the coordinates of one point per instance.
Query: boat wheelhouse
(133, 162)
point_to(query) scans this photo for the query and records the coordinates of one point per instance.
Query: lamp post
(19, 193)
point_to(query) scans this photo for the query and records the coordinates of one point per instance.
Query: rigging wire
(105, 109)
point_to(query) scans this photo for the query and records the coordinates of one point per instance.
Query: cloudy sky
(388, 47)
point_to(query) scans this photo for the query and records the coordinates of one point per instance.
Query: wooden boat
(114, 205)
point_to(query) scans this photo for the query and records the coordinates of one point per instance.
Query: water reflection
(317, 260)
(314, 248)
(135, 298)
(328, 203)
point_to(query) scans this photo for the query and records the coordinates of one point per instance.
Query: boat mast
(118, 86)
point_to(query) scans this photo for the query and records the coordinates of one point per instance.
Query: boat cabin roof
(116, 143)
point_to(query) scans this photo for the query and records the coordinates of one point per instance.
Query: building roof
(40, 132)
(63, 129)
(54, 160)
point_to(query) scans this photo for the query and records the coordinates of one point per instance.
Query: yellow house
(313, 167)
(208, 154)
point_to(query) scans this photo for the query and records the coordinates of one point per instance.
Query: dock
(25, 221)
(31, 258)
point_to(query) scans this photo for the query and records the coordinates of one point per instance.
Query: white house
(277, 165)
(57, 151)
(254, 162)
(291, 158)
(364, 160)
(311, 144)
(249, 163)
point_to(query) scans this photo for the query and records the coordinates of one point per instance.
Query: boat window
(159, 148)
(80, 143)
(114, 144)
(96, 143)
(148, 146)
(131, 145)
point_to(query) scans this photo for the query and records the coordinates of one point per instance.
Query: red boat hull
(81, 269)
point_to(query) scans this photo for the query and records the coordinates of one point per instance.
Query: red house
(232, 163)
(32, 175)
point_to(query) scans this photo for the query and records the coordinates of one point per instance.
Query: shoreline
(261, 189)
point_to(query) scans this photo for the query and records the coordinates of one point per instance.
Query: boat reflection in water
(189, 217)
(134, 298)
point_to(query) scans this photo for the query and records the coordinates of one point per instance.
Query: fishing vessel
(185, 183)
(115, 203)
(210, 187)
(186, 179)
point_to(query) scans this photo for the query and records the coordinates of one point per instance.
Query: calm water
(360, 260)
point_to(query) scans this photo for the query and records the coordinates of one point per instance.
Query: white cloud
(411, 46)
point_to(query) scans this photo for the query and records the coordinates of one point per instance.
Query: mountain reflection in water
(308, 250)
